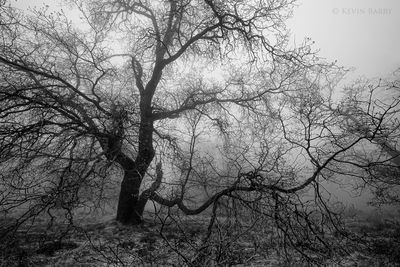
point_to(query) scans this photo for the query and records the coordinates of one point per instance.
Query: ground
(101, 241)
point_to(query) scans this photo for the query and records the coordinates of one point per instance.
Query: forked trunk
(130, 205)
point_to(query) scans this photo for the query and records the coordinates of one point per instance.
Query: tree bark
(130, 206)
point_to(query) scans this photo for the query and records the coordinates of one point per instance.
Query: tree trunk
(130, 206)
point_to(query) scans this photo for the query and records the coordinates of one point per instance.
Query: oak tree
(79, 98)
(192, 103)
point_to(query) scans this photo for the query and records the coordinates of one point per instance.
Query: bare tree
(64, 99)
(199, 106)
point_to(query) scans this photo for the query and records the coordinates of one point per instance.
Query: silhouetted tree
(196, 105)
(199, 105)
(70, 96)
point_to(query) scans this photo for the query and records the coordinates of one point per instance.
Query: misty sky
(363, 34)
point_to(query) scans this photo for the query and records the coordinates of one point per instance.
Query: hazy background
(361, 34)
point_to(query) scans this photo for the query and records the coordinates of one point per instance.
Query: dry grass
(100, 241)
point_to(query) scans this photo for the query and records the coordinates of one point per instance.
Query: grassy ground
(101, 241)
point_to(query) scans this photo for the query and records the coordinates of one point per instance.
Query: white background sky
(363, 34)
